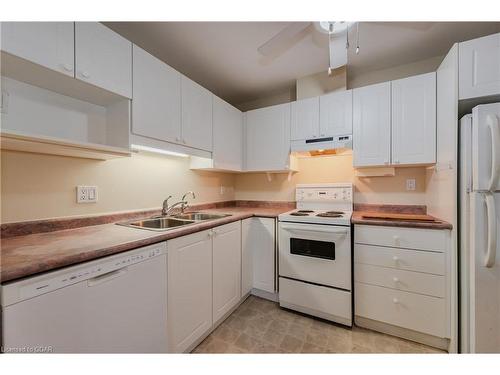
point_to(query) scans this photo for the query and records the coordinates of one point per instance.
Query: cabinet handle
(395, 259)
(210, 233)
(85, 74)
(395, 300)
(396, 239)
(67, 67)
(395, 279)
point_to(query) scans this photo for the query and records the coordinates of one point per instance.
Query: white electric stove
(315, 252)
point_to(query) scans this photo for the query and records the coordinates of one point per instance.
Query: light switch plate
(411, 184)
(86, 194)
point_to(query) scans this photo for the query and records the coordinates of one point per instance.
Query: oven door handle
(315, 228)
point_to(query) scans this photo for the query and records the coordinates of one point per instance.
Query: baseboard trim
(422, 338)
(266, 295)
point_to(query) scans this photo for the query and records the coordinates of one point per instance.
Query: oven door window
(312, 248)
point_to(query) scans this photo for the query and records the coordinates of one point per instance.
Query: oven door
(315, 253)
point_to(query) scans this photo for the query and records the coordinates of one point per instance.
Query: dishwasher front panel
(121, 311)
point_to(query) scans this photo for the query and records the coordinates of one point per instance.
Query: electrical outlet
(411, 184)
(86, 194)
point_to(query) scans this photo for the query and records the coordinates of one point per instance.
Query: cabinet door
(196, 115)
(262, 244)
(246, 256)
(268, 138)
(156, 104)
(226, 268)
(414, 120)
(305, 119)
(189, 289)
(372, 125)
(50, 44)
(335, 111)
(228, 136)
(103, 58)
(479, 67)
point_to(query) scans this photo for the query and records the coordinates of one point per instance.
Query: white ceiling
(223, 57)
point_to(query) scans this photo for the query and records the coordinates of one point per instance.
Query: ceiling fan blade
(284, 39)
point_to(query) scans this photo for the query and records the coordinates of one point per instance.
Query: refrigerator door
(486, 147)
(465, 187)
(485, 273)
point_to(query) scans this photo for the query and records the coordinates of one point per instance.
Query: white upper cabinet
(372, 125)
(196, 115)
(103, 58)
(335, 114)
(479, 67)
(50, 44)
(305, 119)
(228, 136)
(156, 104)
(414, 120)
(267, 133)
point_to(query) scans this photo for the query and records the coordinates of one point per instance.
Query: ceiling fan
(338, 37)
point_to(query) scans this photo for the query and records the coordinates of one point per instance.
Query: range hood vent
(324, 145)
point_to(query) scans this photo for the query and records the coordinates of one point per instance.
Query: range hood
(323, 144)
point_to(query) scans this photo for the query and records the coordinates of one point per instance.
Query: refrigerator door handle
(494, 127)
(489, 260)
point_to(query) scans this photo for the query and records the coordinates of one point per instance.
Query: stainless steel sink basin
(200, 216)
(158, 223)
(163, 223)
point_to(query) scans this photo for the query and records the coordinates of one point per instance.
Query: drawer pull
(395, 301)
(395, 259)
(395, 279)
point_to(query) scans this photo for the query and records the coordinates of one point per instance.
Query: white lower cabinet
(246, 257)
(204, 271)
(226, 269)
(189, 289)
(258, 255)
(403, 283)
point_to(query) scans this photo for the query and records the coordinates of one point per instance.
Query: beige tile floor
(261, 326)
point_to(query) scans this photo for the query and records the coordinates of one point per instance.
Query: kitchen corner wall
(327, 169)
(43, 186)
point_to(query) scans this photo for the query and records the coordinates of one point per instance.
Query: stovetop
(317, 217)
(322, 204)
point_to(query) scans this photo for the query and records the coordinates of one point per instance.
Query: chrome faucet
(183, 203)
(165, 208)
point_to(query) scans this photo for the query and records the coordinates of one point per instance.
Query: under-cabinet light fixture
(157, 151)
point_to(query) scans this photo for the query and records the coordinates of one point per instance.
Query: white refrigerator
(480, 230)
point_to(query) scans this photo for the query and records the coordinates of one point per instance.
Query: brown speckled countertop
(362, 209)
(26, 255)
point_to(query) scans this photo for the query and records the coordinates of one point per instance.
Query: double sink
(163, 223)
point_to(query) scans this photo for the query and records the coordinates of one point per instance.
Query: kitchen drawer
(409, 281)
(409, 238)
(327, 303)
(405, 259)
(403, 309)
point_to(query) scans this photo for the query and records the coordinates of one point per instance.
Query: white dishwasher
(116, 304)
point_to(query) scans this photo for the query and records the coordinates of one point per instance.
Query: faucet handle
(165, 205)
